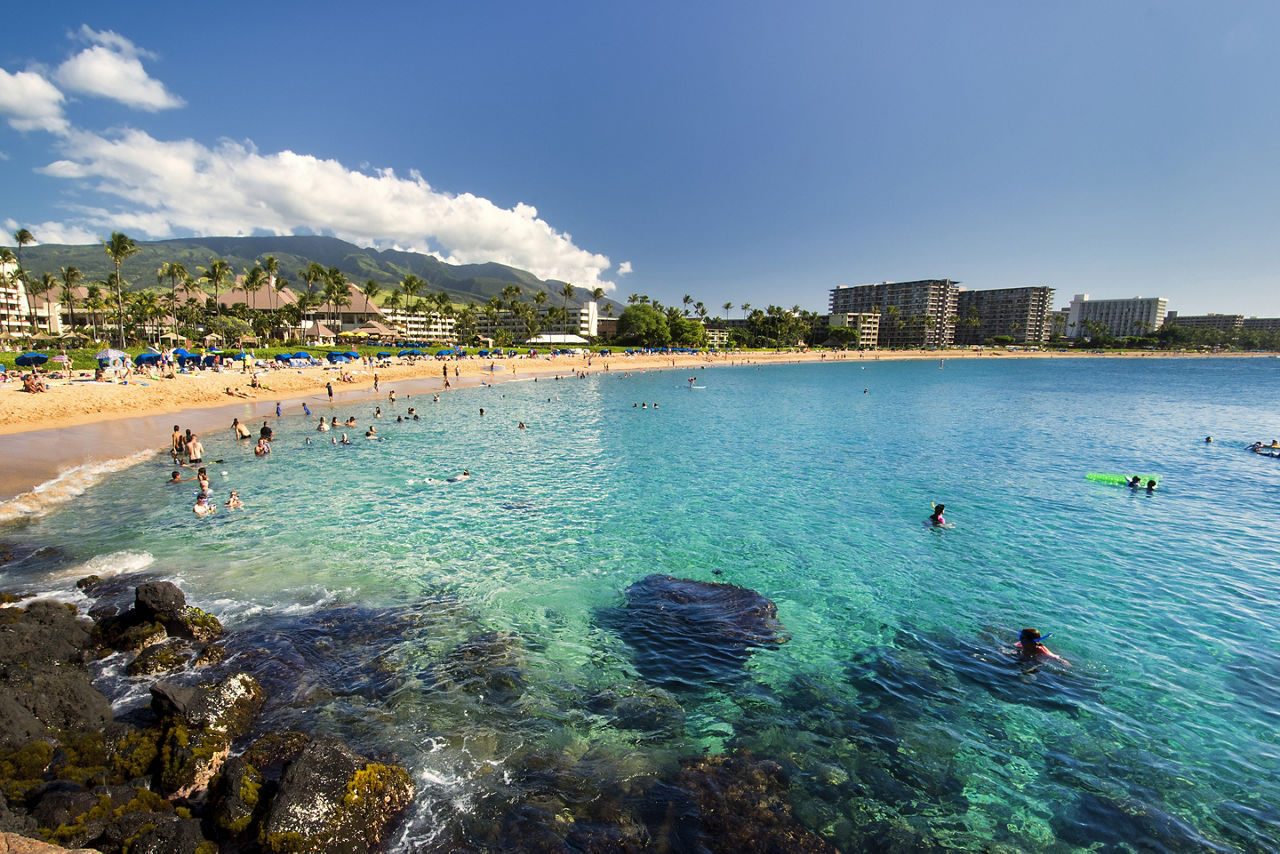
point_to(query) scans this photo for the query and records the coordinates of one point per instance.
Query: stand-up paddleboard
(1121, 479)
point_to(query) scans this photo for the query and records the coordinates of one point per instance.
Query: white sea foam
(107, 565)
(71, 483)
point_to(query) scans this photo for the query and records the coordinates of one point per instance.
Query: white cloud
(624, 268)
(111, 68)
(30, 102)
(54, 232)
(232, 189)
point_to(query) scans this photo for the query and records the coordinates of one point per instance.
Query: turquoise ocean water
(356, 573)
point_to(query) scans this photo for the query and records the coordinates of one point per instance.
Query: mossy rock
(237, 797)
(22, 771)
(332, 799)
(131, 753)
(214, 653)
(88, 581)
(161, 658)
(189, 759)
(9, 598)
(200, 625)
(130, 637)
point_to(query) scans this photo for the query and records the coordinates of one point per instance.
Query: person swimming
(1151, 486)
(1031, 648)
(1136, 483)
(935, 518)
(234, 502)
(203, 507)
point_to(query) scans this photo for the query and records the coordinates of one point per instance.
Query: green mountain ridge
(462, 282)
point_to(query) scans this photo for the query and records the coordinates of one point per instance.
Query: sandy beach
(79, 423)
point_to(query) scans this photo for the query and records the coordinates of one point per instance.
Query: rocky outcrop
(333, 799)
(44, 678)
(159, 611)
(12, 843)
(200, 723)
(686, 633)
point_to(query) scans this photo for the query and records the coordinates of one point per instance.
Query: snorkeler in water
(1031, 647)
(935, 518)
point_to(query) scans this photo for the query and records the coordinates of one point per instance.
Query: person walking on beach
(329, 387)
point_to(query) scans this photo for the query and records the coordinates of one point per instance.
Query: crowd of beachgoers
(60, 397)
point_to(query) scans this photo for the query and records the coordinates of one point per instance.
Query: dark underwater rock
(688, 633)
(333, 799)
(640, 707)
(1124, 824)
(743, 806)
(490, 665)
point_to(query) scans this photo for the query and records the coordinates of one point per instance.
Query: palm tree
(311, 274)
(254, 281)
(272, 268)
(728, 307)
(146, 308)
(93, 301)
(172, 270)
(632, 299)
(70, 278)
(567, 290)
(746, 307)
(336, 294)
(22, 237)
(215, 274)
(120, 247)
(688, 301)
(370, 290)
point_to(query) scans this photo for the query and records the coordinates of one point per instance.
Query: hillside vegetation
(463, 283)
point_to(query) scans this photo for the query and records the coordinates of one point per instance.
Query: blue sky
(733, 151)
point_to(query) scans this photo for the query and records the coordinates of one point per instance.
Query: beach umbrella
(30, 360)
(108, 355)
(60, 358)
(384, 355)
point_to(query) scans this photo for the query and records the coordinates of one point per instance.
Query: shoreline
(82, 424)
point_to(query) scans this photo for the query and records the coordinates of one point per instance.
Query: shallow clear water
(894, 697)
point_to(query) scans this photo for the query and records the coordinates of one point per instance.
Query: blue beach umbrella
(30, 360)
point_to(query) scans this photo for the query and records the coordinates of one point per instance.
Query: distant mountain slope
(463, 283)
